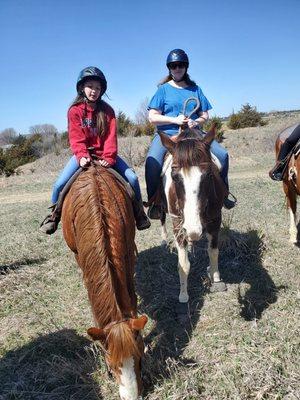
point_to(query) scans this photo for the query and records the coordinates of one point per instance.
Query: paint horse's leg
(292, 208)
(164, 236)
(213, 269)
(183, 270)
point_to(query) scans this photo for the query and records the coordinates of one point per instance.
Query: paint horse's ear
(167, 142)
(209, 137)
(138, 323)
(97, 334)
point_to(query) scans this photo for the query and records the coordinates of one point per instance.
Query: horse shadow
(55, 366)
(7, 268)
(157, 285)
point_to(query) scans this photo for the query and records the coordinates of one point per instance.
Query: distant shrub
(219, 127)
(145, 129)
(22, 152)
(248, 116)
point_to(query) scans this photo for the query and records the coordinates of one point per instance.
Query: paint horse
(99, 227)
(291, 181)
(194, 193)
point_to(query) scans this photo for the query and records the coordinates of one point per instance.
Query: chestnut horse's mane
(98, 218)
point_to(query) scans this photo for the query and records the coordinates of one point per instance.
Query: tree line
(18, 149)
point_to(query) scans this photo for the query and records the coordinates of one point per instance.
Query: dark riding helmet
(177, 55)
(92, 73)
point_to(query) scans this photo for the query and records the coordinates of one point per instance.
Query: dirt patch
(25, 198)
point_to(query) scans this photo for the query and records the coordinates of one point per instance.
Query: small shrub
(248, 116)
(145, 129)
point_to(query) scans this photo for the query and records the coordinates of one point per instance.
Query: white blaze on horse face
(128, 388)
(191, 211)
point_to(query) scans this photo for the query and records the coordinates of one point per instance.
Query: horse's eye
(175, 176)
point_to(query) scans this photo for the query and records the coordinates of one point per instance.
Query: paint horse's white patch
(191, 181)
(128, 387)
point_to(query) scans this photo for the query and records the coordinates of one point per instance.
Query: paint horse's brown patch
(195, 193)
(291, 185)
(99, 227)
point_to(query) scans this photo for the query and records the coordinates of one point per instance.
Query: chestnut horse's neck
(98, 221)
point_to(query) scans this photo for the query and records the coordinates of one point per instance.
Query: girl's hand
(192, 123)
(181, 119)
(84, 161)
(104, 163)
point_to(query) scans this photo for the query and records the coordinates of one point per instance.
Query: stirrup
(49, 225)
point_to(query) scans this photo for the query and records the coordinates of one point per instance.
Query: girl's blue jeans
(120, 166)
(155, 159)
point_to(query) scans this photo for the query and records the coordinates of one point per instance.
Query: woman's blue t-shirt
(169, 100)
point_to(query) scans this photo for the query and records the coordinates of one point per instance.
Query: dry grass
(241, 344)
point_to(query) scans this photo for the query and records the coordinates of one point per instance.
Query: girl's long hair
(99, 114)
(186, 78)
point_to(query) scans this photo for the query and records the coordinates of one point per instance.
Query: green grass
(240, 344)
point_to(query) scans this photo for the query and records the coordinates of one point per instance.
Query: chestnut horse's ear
(167, 142)
(97, 334)
(138, 323)
(209, 137)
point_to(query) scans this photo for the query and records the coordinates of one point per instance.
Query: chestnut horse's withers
(195, 193)
(99, 227)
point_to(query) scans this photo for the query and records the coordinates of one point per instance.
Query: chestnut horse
(194, 193)
(99, 227)
(291, 183)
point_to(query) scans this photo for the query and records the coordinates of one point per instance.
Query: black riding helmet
(92, 73)
(177, 55)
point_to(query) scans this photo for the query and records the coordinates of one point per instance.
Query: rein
(194, 110)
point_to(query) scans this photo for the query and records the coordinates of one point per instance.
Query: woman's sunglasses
(177, 65)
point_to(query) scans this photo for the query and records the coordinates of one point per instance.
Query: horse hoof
(183, 298)
(218, 287)
(164, 244)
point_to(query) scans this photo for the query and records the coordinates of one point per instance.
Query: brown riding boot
(141, 219)
(50, 223)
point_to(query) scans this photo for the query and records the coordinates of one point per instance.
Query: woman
(277, 171)
(166, 112)
(92, 124)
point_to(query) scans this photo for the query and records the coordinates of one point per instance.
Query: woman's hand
(181, 119)
(192, 123)
(104, 163)
(84, 161)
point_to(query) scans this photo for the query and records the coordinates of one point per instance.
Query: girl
(92, 123)
(165, 111)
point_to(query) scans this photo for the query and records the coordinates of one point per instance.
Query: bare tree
(141, 116)
(44, 130)
(7, 136)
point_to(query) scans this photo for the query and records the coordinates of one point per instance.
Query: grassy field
(241, 344)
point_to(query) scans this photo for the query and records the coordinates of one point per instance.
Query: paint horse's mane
(190, 149)
(99, 227)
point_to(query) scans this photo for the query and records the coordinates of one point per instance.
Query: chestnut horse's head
(123, 347)
(194, 186)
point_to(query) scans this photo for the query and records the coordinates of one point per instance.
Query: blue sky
(239, 52)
